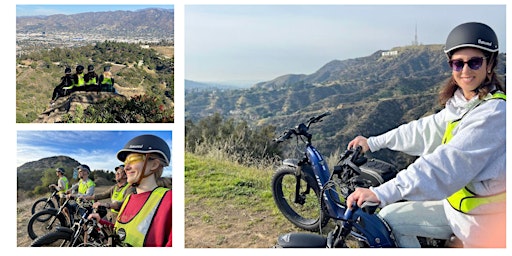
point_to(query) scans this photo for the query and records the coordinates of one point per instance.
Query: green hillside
(137, 71)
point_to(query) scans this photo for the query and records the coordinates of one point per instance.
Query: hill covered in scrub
(367, 96)
(143, 74)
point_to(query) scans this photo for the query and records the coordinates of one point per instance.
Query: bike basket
(375, 172)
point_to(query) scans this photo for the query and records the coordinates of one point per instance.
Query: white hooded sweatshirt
(474, 157)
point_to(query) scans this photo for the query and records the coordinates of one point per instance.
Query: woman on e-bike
(458, 183)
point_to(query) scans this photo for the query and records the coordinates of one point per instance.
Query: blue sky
(251, 43)
(97, 149)
(50, 9)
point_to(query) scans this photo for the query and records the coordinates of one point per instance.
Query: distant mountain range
(154, 22)
(367, 96)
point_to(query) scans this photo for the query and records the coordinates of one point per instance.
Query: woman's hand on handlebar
(359, 141)
(361, 195)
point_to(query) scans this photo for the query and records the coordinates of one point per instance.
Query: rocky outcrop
(69, 105)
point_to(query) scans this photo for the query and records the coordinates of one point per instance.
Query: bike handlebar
(302, 129)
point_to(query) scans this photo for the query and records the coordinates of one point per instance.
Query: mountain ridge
(367, 96)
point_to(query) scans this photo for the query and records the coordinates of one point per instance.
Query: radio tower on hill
(415, 42)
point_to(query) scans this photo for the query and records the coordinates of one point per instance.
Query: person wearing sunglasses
(458, 183)
(145, 217)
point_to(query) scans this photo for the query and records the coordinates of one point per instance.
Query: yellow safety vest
(81, 80)
(91, 81)
(465, 200)
(118, 196)
(66, 185)
(82, 187)
(137, 228)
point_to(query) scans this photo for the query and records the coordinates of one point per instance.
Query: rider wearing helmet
(62, 184)
(63, 88)
(106, 80)
(91, 79)
(458, 184)
(85, 187)
(144, 158)
(145, 218)
(78, 79)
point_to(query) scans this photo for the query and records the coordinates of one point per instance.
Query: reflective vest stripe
(464, 200)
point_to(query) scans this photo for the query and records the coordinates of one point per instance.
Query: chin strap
(141, 174)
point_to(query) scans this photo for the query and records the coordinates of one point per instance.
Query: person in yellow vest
(78, 79)
(91, 79)
(106, 80)
(84, 187)
(145, 217)
(116, 193)
(458, 183)
(62, 185)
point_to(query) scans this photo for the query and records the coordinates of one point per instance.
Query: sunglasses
(134, 158)
(475, 63)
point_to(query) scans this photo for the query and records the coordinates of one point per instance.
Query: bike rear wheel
(305, 213)
(42, 204)
(44, 222)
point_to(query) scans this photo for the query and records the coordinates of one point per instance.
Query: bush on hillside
(138, 109)
(236, 139)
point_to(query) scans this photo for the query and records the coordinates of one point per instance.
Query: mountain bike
(84, 233)
(47, 220)
(51, 201)
(296, 184)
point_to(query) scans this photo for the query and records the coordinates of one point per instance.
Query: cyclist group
(140, 208)
(80, 81)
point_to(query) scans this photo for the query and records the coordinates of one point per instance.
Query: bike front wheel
(42, 204)
(56, 239)
(44, 222)
(299, 204)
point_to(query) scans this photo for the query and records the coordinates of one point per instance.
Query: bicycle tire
(305, 215)
(57, 238)
(42, 204)
(39, 223)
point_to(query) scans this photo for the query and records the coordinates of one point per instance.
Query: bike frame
(322, 174)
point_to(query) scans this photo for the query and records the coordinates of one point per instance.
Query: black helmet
(61, 170)
(84, 167)
(90, 68)
(79, 68)
(67, 71)
(471, 34)
(106, 68)
(146, 144)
